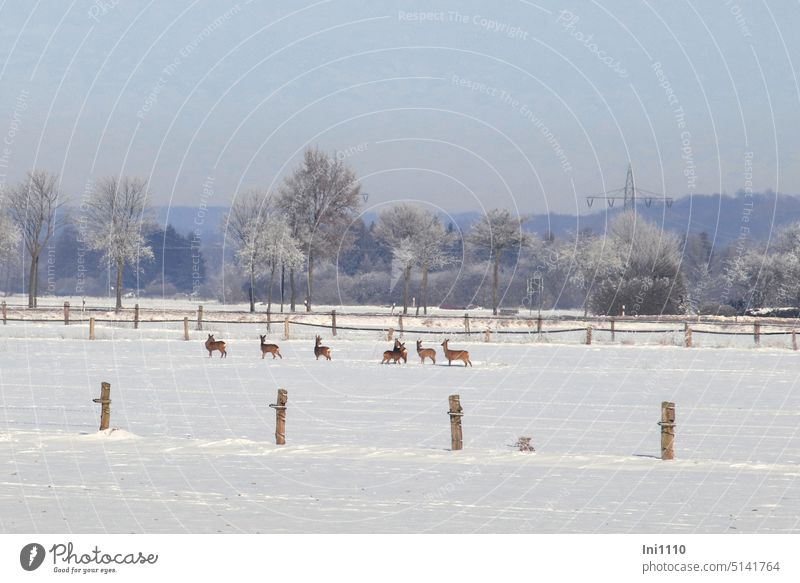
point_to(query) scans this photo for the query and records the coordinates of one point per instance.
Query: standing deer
(269, 348)
(395, 354)
(452, 355)
(320, 350)
(425, 353)
(212, 345)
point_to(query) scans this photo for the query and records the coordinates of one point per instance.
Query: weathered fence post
(280, 417)
(269, 322)
(539, 325)
(456, 413)
(390, 334)
(91, 328)
(613, 330)
(757, 332)
(5, 313)
(186, 327)
(200, 317)
(588, 335)
(333, 322)
(466, 324)
(286, 328)
(136, 316)
(487, 335)
(794, 340)
(667, 424)
(66, 313)
(105, 405)
(687, 335)
(400, 324)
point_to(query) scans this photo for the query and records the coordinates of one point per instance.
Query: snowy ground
(368, 445)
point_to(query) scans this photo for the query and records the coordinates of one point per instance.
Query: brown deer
(425, 353)
(320, 350)
(212, 345)
(452, 355)
(395, 354)
(269, 349)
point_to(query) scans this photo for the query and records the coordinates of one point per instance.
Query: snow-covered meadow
(368, 445)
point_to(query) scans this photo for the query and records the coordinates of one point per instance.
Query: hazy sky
(460, 104)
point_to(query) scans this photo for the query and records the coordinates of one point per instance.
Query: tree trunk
(34, 268)
(424, 290)
(310, 282)
(120, 267)
(406, 283)
(495, 277)
(269, 289)
(252, 289)
(293, 290)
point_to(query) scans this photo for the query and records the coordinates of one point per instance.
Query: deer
(425, 353)
(269, 349)
(395, 354)
(212, 345)
(452, 355)
(320, 350)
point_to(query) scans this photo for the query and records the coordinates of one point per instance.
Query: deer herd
(395, 355)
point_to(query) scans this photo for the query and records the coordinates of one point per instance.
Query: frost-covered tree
(433, 250)
(117, 218)
(33, 206)
(498, 233)
(9, 234)
(245, 224)
(280, 250)
(638, 265)
(401, 228)
(320, 199)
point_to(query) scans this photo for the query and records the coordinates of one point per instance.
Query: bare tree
(33, 205)
(320, 199)
(9, 234)
(280, 250)
(244, 224)
(433, 251)
(117, 216)
(496, 234)
(401, 227)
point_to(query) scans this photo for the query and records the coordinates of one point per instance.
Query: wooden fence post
(687, 335)
(269, 321)
(456, 413)
(280, 417)
(400, 324)
(613, 330)
(105, 405)
(5, 313)
(667, 424)
(539, 325)
(757, 332)
(186, 327)
(794, 340)
(200, 317)
(136, 317)
(390, 334)
(333, 322)
(588, 335)
(466, 324)
(286, 328)
(66, 313)
(91, 328)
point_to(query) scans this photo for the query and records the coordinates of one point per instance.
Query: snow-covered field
(368, 445)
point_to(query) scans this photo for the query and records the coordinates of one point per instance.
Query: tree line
(310, 235)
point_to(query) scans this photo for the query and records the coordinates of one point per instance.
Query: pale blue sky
(461, 104)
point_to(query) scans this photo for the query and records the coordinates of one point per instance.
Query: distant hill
(721, 216)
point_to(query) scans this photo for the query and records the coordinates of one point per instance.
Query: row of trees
(112, 222)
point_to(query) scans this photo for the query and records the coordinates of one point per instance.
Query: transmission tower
(630, 195)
